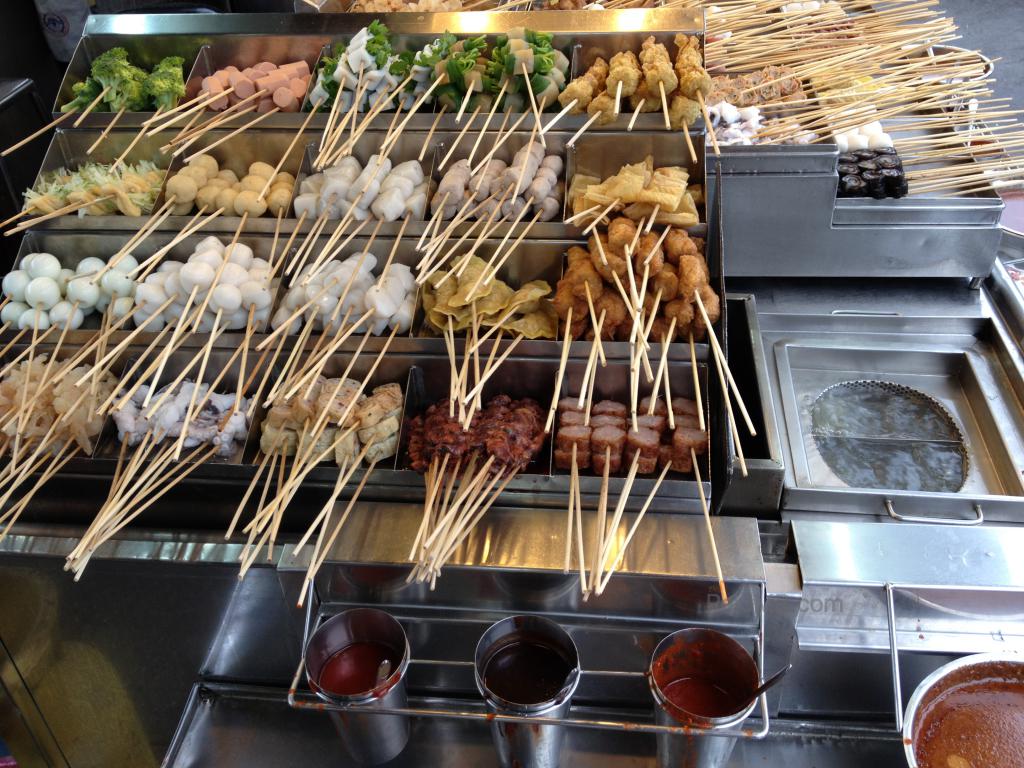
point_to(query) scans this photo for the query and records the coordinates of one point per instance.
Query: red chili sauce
(526, 671)
(353, 669)
(973, 725)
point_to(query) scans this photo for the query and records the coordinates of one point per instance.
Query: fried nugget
(621, 232)
(693, 273)
(677, 243)
(649, 252)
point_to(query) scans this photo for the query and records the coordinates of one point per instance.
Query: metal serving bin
(779, 205)
(144, 51)
(70, 247)
(68, 150)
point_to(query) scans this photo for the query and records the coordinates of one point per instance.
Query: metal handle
(862, 313)
(978, 520)
(894, 652)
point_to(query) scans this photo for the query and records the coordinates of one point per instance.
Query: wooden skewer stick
(711, 531)
(618, 96)
(689, 144)
(582, 214)
(70, 208)
(633, 528)
(464, 104)
(131, 145)
(233, 133)
(597, 219)
(430, 133)
(565, 110)
(533, 104)
(487, 122)
(288, 151)
(583, 129)
(40, 132)
(573, 477)
(707, 122)
(106, 131)
(724, 363)
(602, 511)
(664, 105)
(620, 507)
(636, 114)
(92, 105)
(696, 384)
(458, 139)
(566, 344)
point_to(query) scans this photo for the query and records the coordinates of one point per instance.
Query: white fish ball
(211, 257)
(154, 324)
(196, 275)
(172, 285)
(254, 294)
(258, 263)
(240, 254)
(34, 318)
(83, 291)
(174, 312)
(63, 278)
(26, 260)
(233, 274)
(206, 322)
(210, 243)
(90, 265)
(238, 319)
(12, 311)
(117, 284)
(259, 275)
(102, 302)
(227, 298)
(64, 313)
(127, 264)
(44, 265)
(14, 284)
(294, 299)
(42, 292)
(169, 266)
(121, 306)
(150, 295)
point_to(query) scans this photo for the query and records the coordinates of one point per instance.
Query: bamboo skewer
(63, 211)
(430, 133)
(288, 151)
(88, 110)
(696, 384)
(37, 134)
(710, 529)
(566, 345)
(106, 131)
(724, 363)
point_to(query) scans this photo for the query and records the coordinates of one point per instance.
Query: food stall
(811, 454)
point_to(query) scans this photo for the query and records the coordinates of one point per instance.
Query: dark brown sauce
(526, 671)
(974, 725)
(700, 696)
(353, 669)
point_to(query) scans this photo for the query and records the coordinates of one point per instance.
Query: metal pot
(980, 666)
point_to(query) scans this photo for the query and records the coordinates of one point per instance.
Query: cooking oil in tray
(876, 434)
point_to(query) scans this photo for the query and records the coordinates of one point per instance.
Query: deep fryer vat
(877, 434)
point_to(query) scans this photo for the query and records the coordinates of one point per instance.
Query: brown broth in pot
(977, 724)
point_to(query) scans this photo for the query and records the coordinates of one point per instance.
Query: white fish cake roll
(416, 206)
(382, 449)
(312, 184)
(410, 169)
(306, 203)
(395, 180)
(389, 205)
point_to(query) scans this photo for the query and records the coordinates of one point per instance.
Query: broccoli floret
(85, 93)
(165, 85)
(125, 81)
